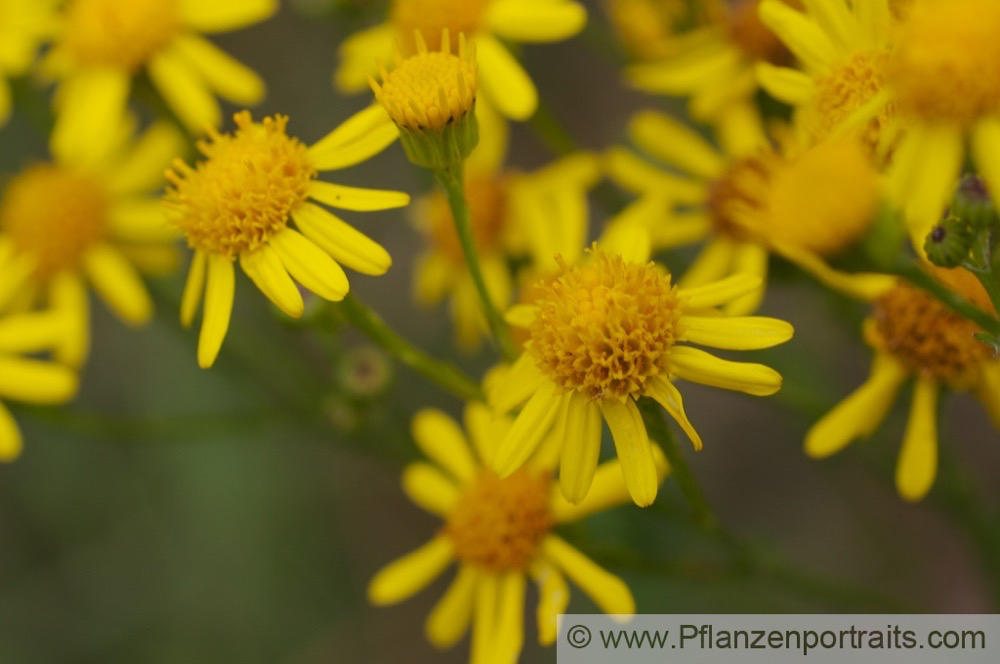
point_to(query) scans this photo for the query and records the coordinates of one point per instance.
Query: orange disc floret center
(487, 199)
(927, 336)
(244, 191)
(431, 17)
(605, 326)
(499, 523)
(123, 34)
(54, 215)
(429, 90)
(740, 194)
(946, 66)
(845, 89)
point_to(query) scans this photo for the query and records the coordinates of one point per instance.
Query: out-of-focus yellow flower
(604, 333)
(538, 214)
(652, 29)
(714, 66)
(843, 49)
(88, 218)
(25, 377)
(749, 198)
(499, 531)
(24, 24)
(237, 204)
(915, 336)
(105, 43)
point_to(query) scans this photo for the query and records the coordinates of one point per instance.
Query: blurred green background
(174, 515)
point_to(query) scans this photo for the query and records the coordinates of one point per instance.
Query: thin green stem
(450, 181)
(442, 373)
(909, 271)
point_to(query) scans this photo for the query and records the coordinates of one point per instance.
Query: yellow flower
(24, 24)
(749, 198)
(606, 332)
(25, 377)
(105, 43)
(237, 204)
(541, 214)
(505, 84)
(715, 67)
(499, 531)
(88, 218)
(915, 335)
(649, 28)
(843, 48)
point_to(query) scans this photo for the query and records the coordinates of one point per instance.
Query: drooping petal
(607, 491)
(736, 333)
(441, 439)
(430, 489)
(309, 265)
(408, 575)
(515, 385)
(860, 413)
(10, 436)
(530, 21)
(553, 598)
(269, 275)
(789, 85)
(220, 288)
(530, 426)
(510, 617)
(185, 92)
(344, 243)
(36, 381)
(607, 591)
(68, 296)
(800, 34)
(484, 619)
(917, 464)
(580, 428)
(356, 198)
(668, 396)
(194, 287)
(449, 619)
(861, 285)
(486, 429)
(504, 81)
(361, 136)
(91, 113)
(698, 366)
(720, 292)
(118, 284)
(228, 77)
(634, 450)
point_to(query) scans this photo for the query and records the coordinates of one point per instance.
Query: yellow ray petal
(516, 385)
(36, 381)
(140, 220)
(441, 439)
(735, 333)
(580, 428)
(184, 91)
(607, 591)
(748, 258)
(430, 489)
(228, 77)
(668, 396)
(800, 34)
(10, 436)
(356, 198)
(344, 243)
(504, 81)
(719, 292)
(434, 275)
(91, 111)
(484, 619)
(359, 137)
(553, 598)
(486, 430)
(917, 464)
(685, 74)
(30, 332)
(698, 366)
(607, 491)
(713, 263)
(630, 240)
(141, 169)
(640, 176)
(309, 265)
(862, 285)
(16, 267)
(68, 296)
(359, 54)
(531, 21)
(220, 285)
(269, 275)
(223, 15)
(118, 284)
(874, 18)
(785, 84)
(510, 618)
(521, 315)
(408, 575)
(634, 450)
(449, 619)
(860, 413)
(193, 288)
(530, 426)
(836, 21)
(675, 143)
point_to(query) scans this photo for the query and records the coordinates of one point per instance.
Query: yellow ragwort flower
(650, 29)
(606, 332)
(23, 376)
(915, 336)
(748, 199)
(24, 24)
(88, 218)
(499, 531)
(105, 43)
(513, 214)
(237, 204)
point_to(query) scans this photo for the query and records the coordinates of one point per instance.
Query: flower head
(914, 335)
(239, 202)
(24, 24)
(499, 531)
(606, 332)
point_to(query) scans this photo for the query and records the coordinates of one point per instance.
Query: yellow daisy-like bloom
(505, 84)
(237, 204)
(915, 335)
(29, 379)
(105, 43)
(715, 67)
(606, 332)
(24, 24)
(844, 48)
(499, 531)
(539, 214)
(88, 218)
(749, 199)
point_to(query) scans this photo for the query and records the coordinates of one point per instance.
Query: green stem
(446, 375)
(450, 180)
(916, 276)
